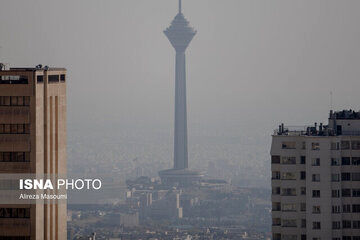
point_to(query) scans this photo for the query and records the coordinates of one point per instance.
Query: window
(355, 176)
(315, 162)
(345, 161)
(303, 190)
(356, 161)
(276, 206)
(316, 177)
(335, 177)
(315, 146)
(40, 79)
(346, 224)
(316, 193)
(13, 79)
(275, 159)
(62, 77)
(14, 156)
(275, 175)
(356, 192)
(276, 190)
(316, 209)
(345, 145)
(14, 212)
(346, 208)
(288, 160)
(335, 193)
(356, 208)
(356, 224)
(335, 146)
(302, 175)
(303, 223)
(345, 177)
(289, 223)
(291, 207)
(346, 192)
(288, 145)
(14, 101)
(336, 209)
(335, 162)
(288, 192)
(355, 145)
(289, 237)
(346, 238)
(302, 160)
(303, 207)
(53, 78)
(316, 225)
(276, 221)
(20, 101)
(276, 236)
(303, 145)
(14, 129)
(5, 101)
(336, 225)
(288, 176)
(6, 128)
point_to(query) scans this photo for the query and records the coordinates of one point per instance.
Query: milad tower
(180, 34)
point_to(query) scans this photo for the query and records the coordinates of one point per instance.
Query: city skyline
(238, 95)
(255, 65)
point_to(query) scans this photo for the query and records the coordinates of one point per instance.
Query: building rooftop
(340, 123)
(31, 69)
(35, 69)
(344, 114)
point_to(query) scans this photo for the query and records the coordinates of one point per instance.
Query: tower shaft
(180, 130)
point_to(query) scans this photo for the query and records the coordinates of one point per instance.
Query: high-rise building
(316, 180)
(180, 35)
(33, 140)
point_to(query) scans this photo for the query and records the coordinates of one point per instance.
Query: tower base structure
(181, 177)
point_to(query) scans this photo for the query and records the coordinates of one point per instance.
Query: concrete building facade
(33, 140)
(316, 180)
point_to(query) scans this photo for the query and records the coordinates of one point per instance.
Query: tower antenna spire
(180, 3)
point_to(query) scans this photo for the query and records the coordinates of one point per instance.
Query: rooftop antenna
(3, 65)
(331, 100)
(180, 3)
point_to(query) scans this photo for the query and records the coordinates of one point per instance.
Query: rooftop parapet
(344, 114)
(314, 130)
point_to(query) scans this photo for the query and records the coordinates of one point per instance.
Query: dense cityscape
(185, 202)
(198, 120)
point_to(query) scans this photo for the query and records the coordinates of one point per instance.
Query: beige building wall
(44, 143)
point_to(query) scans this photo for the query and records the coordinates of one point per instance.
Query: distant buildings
(155, 204)
(33, 140)
(316, 180)
(129, 219)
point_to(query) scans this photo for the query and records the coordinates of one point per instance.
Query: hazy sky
(252, 63)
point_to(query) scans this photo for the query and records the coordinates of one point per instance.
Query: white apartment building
(316, 180)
